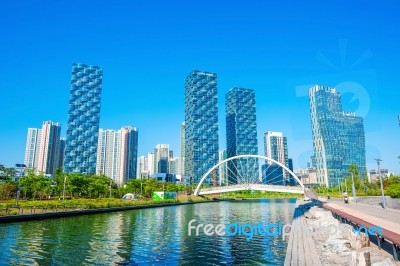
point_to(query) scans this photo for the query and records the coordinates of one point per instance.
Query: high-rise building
(32, 148)
(43, 149)
(162, 158)
(83, 119)
(241, 133)
(201, 124)
(143, 167)
(173, 165)
(60, 154)
(150, 161)
(338, 136)
(108, 153)
(311, 163)
(182, 157)
(49, 148)
(276, 149)
(117, 154)
(223, 169)
(129, 152)
(178, 164)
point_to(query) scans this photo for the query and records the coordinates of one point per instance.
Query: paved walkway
(385, 218)
(368, 216)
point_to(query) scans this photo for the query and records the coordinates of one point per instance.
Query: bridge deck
(259, 187)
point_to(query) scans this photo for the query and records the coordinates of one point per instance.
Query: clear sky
(147, 48)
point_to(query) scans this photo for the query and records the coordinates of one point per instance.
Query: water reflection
(148, 236)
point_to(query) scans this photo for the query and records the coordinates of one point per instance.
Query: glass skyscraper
(201, 123)
(241, 133)
(338, 136)
(83, 119)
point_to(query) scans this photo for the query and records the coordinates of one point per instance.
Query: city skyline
(279, 62)
(182, 124)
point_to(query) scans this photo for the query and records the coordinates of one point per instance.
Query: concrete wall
(377, 200)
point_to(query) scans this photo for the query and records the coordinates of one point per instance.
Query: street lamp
(65, 181)
(353, 187)
(20, 167)
(378, 161)
(110, 186)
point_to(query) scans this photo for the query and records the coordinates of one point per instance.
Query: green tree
(77, 185)
(393, 190)
(99, 185)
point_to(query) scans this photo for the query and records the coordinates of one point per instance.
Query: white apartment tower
(117, 154)
(276, 147)
(43, 149)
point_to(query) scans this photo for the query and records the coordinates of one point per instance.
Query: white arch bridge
(250, 172)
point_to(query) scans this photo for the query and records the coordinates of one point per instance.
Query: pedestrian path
(301, 249)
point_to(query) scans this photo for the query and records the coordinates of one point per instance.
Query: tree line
(364, 187)
(77, 185)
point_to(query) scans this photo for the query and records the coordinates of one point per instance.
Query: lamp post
(110, 186)
(20, 167)
(353, 187)
(65, 181)
(378, 161)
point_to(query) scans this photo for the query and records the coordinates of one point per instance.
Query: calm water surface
(148, 236)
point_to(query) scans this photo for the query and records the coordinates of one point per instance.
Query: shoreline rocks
(337, 244)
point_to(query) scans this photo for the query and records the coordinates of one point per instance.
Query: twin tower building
(88, 149)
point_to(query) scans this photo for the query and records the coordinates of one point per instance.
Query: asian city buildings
(276, 148)
(201, 123)
(83, 119)
(241, 133)
(44, 148)
(338, 136)
(117, 154)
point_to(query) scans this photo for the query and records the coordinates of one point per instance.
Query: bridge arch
(198, 188)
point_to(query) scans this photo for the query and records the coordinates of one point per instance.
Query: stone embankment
(337, 244)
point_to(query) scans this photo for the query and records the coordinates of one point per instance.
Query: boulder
(386, 262)
(338, 246)
(358, 241)
(361, 258)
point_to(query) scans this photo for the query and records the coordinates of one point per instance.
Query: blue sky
(147, 48)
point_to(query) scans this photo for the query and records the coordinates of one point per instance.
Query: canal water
(156, 236)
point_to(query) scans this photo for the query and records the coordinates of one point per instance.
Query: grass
(52, 205)
(56, 205)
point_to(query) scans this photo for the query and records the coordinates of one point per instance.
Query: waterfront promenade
(389, 219)
(365, 215)
(302, 246)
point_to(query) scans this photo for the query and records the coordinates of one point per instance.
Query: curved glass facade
(83, 119)
(338, 136)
